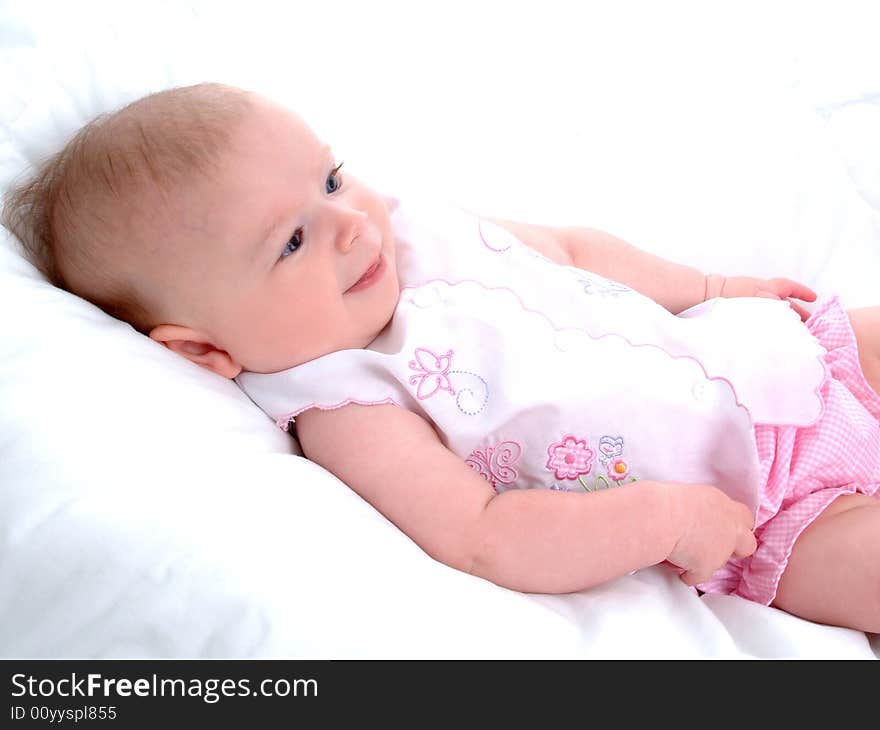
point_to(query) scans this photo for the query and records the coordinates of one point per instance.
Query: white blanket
(148, 509)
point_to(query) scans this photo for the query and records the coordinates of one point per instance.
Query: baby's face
(281, 259)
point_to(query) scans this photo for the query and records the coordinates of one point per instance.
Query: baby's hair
(78, 210)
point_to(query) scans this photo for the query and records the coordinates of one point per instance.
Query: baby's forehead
(213, 181)
(272, 120)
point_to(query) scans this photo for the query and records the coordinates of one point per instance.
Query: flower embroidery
(433, 373)
(496, 464)
(569, 457)
(618, 469)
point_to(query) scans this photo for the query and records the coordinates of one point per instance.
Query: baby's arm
(534, 540)
(674, 286)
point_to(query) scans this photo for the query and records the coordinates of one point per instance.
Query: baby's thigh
(866, 325)
(833, 573)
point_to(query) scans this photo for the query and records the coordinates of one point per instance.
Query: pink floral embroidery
(618, 469)
(495, 465)
(569, 457)
(433, 373)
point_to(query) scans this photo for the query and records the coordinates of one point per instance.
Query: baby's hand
(747, 286)
(711, 528)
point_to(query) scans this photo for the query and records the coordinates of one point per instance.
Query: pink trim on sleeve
(283, 422)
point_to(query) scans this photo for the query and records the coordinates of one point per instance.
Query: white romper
(546, 376)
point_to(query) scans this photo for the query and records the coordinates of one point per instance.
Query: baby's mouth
(369, 272)
(371, 275)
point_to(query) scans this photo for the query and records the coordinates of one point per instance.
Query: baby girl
(547, 408)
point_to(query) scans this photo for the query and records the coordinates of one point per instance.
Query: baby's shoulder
(360, 429)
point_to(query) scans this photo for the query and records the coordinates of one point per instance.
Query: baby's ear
(197, 348)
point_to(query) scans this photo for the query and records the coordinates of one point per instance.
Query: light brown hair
(82, 205)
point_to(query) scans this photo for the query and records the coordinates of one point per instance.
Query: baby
(547, 408)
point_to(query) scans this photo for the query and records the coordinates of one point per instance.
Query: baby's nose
(351, 225)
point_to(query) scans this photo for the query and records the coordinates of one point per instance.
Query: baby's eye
(293, 244)
(334, 180)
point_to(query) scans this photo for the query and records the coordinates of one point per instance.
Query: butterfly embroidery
(433, 373)
(496, 463)
(610, 447)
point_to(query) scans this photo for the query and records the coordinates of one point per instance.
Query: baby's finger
(746, 544)
(789, 288)
(802, 313)
(694, 578)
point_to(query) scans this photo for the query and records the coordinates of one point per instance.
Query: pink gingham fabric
(803, 470)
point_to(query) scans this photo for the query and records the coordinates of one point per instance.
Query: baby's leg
(833, 574)
(866, 324)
